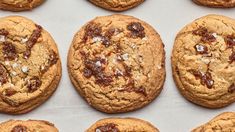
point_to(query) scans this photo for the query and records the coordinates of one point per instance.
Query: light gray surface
(170, 112)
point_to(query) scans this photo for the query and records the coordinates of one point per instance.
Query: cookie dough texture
(19, 5)
(117, 5)
(122, 125)
(203, 61)
(30, 68)
(27, 126)
(224, 122)
(216, 3)
(117, 63)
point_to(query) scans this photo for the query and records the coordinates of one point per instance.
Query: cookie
(117, 5)
(30, 68)
(117, 63)
(27, 126)
(203, 61)
(224, 122)
(216, 3)
(122, 125)
(19, 5)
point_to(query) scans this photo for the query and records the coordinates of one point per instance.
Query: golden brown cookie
(122, 125)
(224, 122)
(30, 67)
(216, 3)
(117, 5)
(27, 126)
(203, 61)
(117, 63)
(19, 5)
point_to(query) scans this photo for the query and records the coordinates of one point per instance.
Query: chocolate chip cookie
(117, 63)
(216, 3)
(224, 122)
(27, 126)
(117, 5)
(30, 68)
(122, 125)
(19, 5)
(203, 61)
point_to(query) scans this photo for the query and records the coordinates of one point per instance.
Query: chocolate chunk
(127, 70)
(9, 51)
(231, 88)
(32, 41)
(9, 92)
(206, 79)
(207, 37)
(232, 57)
(4, 32)
(230, 41)
(92, 30)
(19, 128)
(106, 41)
(95, 69)
(141, 90)
(3, 75)
(137, 30)
(53, 58)
(201, 49)
(110, 127)
(33, 84)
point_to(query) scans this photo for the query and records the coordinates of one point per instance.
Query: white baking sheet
(170, 112)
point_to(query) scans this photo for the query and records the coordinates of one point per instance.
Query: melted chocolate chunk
(231, 88)
(201, 49)
(130, 87)
(232, 57)
(230, 41)
(9, 92)
(127, 70)
(33, 84)
(19, 128)
(3, 75)
(32, 41)
(9, 51)
(53, 58)
(207, 37)
(141, 90)
(92, 30)
(206, 79)
(4, 32)
(110, 127)
(94, 67)
(137, 30)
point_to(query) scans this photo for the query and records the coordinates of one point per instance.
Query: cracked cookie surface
(117, 5)
(117, 63)
(27, 126)
(203, 61)
(122, 125)
(224, 122)
(216, 3)
(29, 65)
(19, 5)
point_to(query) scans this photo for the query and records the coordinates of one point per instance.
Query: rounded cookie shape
(122, 125)
(117, 5)
(203, 61)
(216, 3)
(27, 126)
(117, 63)
(30, 68)
(224, 122)
(19, 5)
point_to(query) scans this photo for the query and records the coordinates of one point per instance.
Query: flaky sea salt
(24, 69)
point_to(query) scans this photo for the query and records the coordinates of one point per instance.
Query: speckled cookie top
(224, 122)
(18, 5)
(28, 61)
(216, 3)
(27, 126)
(203, 61)
(122, 125)
(117, 5)
(117, 62)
